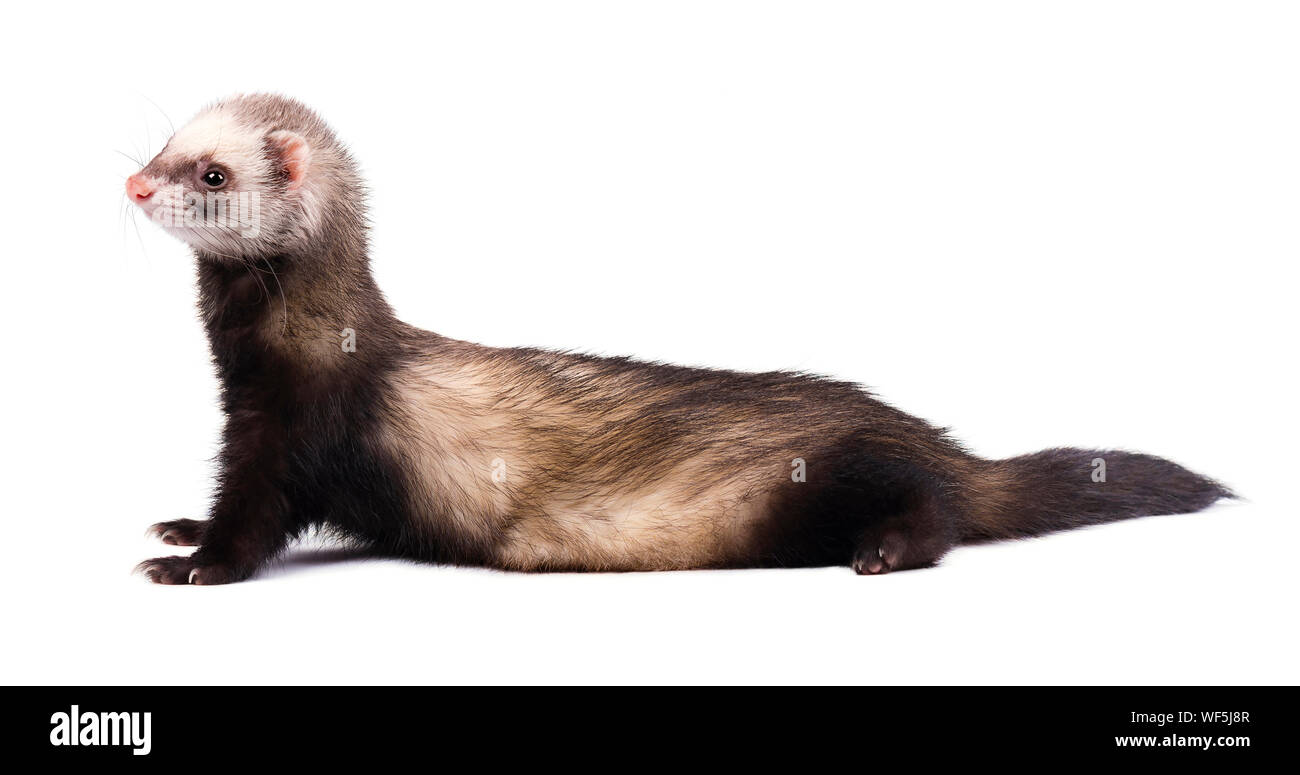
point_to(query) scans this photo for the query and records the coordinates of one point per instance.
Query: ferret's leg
(241, 536)
(867, 511)
(918, 536)
(251, 522)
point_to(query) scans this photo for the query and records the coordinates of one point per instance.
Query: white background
(1038, 223)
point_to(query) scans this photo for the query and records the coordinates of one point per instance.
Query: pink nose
(139, 188)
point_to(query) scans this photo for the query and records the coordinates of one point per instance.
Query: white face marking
(226, 221)
(220, 136)
(281, 170)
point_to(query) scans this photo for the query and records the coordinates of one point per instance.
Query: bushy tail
(1060, 489)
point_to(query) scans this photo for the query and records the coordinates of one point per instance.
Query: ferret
(340, 416)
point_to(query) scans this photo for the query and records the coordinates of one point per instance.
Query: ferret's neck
(291, 321)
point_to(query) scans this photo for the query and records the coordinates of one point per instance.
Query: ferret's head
(248, 177)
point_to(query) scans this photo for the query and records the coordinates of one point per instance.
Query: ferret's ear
(294, 154)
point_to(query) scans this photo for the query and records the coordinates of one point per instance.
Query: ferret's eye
(214, 178)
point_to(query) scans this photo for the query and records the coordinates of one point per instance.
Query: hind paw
(876, 556)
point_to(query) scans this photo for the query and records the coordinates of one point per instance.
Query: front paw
(180, 532)
(185, 570)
